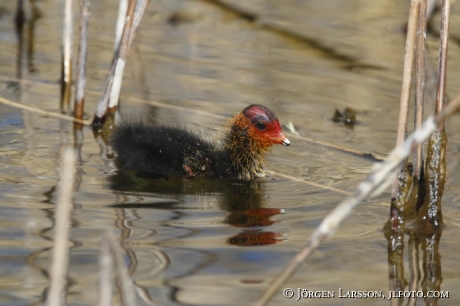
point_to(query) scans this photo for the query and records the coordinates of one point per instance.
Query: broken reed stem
(66, 65)
(382, 175)
(110, 93)
(109, 99)
(406, 82)
(129, 32)
(120, 61)
(60, 256)
(442, 68)
(420, 86)
(111, 257)
(79, 104)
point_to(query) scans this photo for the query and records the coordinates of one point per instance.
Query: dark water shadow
(24, 20)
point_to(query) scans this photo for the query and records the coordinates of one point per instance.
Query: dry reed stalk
(406, 82)
(111, 256)
(442, 68)
(122, 10)
(304, 181)
(40, 111)
(382, 175)
(60, 256)
(109, 99)
(80, 84)
(66, 65)
(420, 86)
(135, 12)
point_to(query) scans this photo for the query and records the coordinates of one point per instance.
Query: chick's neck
(246, 147)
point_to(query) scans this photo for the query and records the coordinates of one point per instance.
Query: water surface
(216, 242)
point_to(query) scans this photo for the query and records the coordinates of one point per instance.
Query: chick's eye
(261, 126)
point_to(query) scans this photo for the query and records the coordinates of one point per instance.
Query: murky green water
(217, 242)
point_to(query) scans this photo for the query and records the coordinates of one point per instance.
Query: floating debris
(348, 117)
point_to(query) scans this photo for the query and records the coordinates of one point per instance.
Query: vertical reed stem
(406, 82)
(121, 19)
(110, 94)
(120, 61)
(420, 86)
(109, 99)
(66, 66)
(442, 68)
(81, 65)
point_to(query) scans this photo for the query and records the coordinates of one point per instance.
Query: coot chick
(175, 150)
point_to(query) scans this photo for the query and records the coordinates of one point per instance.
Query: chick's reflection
(252, 219)
(245, 201)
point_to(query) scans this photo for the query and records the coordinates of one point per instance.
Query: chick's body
(175, 150)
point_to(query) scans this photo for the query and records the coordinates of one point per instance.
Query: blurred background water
(217, 242)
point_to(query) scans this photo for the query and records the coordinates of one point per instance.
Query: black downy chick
(174, 150)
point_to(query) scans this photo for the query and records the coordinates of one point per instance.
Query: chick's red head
(264, 126)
